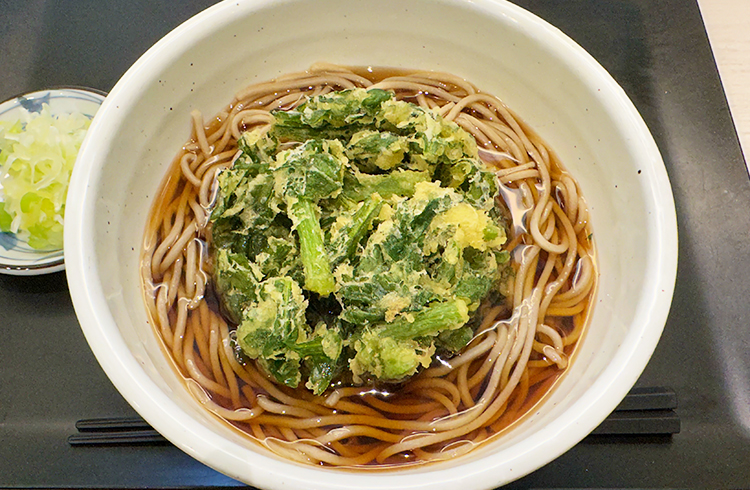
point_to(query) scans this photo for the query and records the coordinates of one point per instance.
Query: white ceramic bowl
(563, 93)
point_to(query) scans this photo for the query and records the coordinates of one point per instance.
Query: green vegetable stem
(315, 261)
(345, 244)
(430, 321)
(305, 176)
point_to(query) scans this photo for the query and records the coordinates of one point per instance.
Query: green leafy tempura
(355, 240)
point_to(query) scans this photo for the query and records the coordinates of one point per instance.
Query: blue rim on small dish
(16, 256)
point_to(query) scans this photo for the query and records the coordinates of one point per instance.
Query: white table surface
(728, 26)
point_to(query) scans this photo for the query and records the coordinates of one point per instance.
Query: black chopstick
(649, 398)
(644, 411)
(117, 438)
(112, 424)
(634, 422)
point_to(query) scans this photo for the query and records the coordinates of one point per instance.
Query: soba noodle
(519, 349)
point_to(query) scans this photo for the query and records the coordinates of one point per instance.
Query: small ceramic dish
(16, 256)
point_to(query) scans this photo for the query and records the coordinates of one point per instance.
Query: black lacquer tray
(656, 49)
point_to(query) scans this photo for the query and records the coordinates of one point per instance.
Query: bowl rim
(269, 472)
